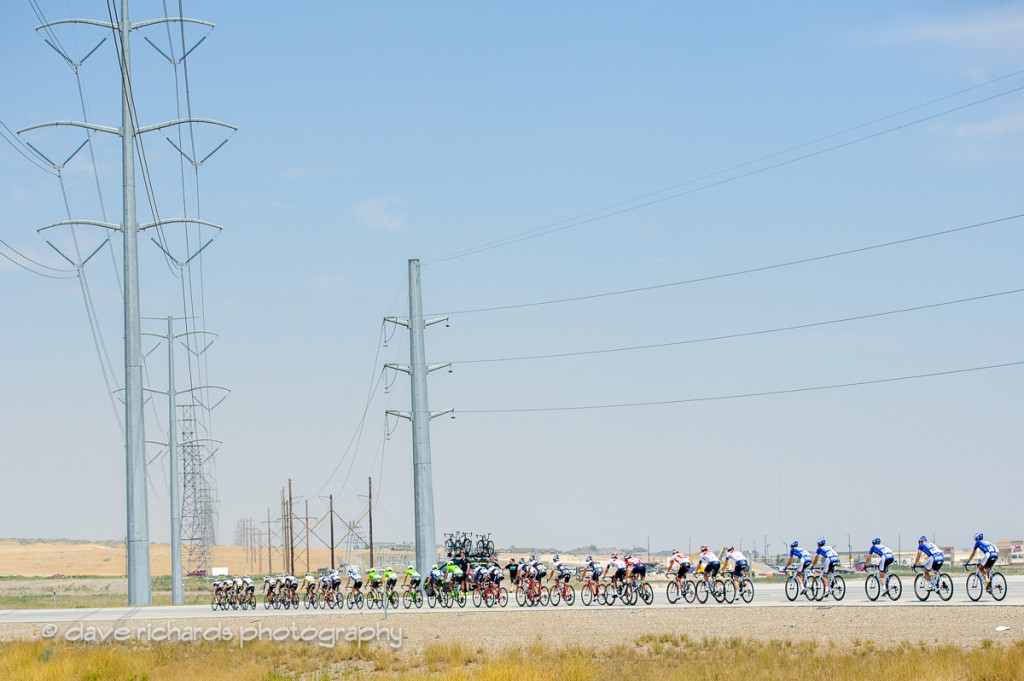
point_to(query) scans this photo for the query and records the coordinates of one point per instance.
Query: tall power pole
(423, 485)
(136, 501)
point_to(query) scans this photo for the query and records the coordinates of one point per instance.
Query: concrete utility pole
(423, 486)
(369, 481)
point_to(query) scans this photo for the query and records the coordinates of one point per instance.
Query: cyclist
(636, 568)
(355, 580)
(989, 556)
(434, 577)
(411, 577)
(739, 566)
(293, 585)
(237, 584)
(885, 558)
(560, 571)
(595, 569)
(830, 561)
(542, 569)
(309, 583)
(373, 579)
(804, 561)
(335, 581)
(710, 563)
(616, 569)
(268, 585)
(453, 574)
(390, 579)
(934, 563)
(519, 573)
(679, 559)
(249, 585)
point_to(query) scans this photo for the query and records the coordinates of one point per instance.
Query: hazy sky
(636, 145)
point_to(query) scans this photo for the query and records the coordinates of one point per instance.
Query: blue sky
(370, 134)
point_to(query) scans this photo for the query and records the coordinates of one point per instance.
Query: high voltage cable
(740, 335)
(29, 269)
(745, 395)
(737, 273)
(559, 226)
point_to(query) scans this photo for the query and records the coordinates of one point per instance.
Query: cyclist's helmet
(555, 558)
(590, 558)
(979, 536)
(433, 567)
(876, 540)
(412, 567)
(675, 551)
(703, 548)
(522, 560)
(615, 555)
(628, 557)
(922, 538)
(731, 549)
(821, 542)
(533, 557)
(794, 545)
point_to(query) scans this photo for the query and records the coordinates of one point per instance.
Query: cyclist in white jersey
(934, 563)
(616, 568)
(739, 566)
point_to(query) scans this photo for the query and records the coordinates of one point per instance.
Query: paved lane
(771, 595)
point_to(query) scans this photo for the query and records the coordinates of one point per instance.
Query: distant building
(1011, 551)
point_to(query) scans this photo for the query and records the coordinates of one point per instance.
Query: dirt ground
(493, 630)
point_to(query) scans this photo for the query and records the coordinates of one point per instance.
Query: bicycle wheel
(520, 596)
(358, 599)
(431, 598)
(873, 587)
(998, 585)
(407, 600)
(629, 596)
(556, 596)
(815, 588)
(702, 592)
(646, 594)
(730, 591)
(503, 597)
(746, 590)
(838, 587)
(945, 587)
(570, 595)
(792, 588)
(609, 594)
(921, 589)
(895, 589)
(975, 586)
(689, 591)
(213, 603)
(545, 595)
(719, 591)
(672, 591)
(587, 594)
(478, 598)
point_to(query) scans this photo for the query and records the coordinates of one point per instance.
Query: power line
(29, 269)
(737, 273)
(740, 335)
(745, 395)
(35, 262)
(573, 222)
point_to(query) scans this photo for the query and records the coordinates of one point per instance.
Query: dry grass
(665, 657)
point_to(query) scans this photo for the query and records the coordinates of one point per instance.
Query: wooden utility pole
(291, 531)
(370, 481)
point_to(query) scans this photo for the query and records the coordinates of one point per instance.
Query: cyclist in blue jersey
(935, 560)
(989, 556)
(803, 562)
(885, 558)
(830, 561)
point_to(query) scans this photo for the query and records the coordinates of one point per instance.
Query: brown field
(35, 558)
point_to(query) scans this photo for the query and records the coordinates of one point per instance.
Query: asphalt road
(771, 594)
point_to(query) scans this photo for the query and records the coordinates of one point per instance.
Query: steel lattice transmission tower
(198, 499)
